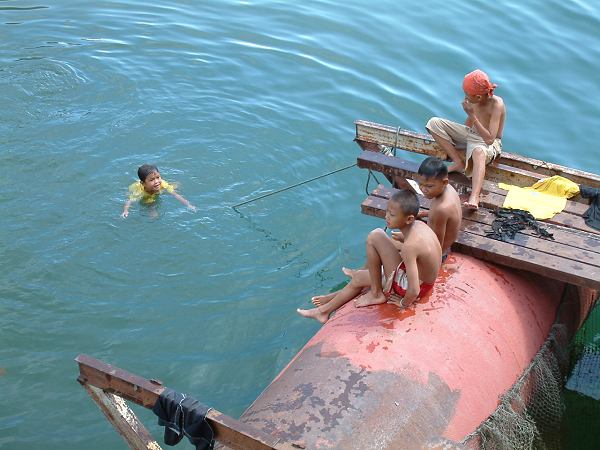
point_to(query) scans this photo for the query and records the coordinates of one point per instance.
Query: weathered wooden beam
(577, 239)
(492, 196)
(393, 166)
(374, 133)
(123, 419)
(522, 258)
(526, 252)
(228, 431)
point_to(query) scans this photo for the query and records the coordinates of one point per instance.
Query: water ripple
(231, 100)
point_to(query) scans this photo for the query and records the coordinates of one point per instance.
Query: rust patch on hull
(339, 405)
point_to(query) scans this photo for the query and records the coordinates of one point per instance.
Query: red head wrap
(478, 83)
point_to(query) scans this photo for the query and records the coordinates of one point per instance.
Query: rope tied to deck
(509, 222)
(293, 186)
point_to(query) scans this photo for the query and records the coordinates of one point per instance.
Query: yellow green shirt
(137, 192)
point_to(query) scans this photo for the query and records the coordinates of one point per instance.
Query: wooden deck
(574, 254)
(510, 168)
(110, 386)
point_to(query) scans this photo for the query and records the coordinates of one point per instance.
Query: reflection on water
(231, 100)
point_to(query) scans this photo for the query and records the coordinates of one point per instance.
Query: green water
(231, 100)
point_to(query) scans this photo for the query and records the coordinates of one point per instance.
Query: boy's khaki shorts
(463, 137)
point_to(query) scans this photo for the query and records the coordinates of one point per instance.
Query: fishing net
(581, 427)
(509, 222)
(530, 413)
(537, 413)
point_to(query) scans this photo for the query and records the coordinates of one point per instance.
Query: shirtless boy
(478, 142)
(410, 267)
(444, 214)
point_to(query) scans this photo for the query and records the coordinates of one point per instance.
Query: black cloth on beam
(182, 415)
(509, 222)
(592, 215)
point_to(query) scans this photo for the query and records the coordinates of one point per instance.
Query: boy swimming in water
(475, 144)
(409, 268)
(149, 187)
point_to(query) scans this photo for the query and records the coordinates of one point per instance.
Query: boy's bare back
(421, 247)
(445, 216)
(445, 212)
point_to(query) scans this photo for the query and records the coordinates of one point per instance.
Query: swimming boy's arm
(412, 272)
(126, 206)
(183, 200)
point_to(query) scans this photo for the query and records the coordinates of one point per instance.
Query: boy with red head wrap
(478, 142)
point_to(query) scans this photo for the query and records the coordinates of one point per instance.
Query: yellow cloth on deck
(544, 199)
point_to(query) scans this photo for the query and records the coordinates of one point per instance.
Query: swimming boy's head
(402, 209)
(150, 178)
(477, 86)
(432, 177)
(145, 170)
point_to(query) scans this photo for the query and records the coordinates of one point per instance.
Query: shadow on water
(281, 244)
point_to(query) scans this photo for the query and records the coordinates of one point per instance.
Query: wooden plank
(567, 244)
(541, 256)
(514, 254)
(532, 241)
(585, 240)
(123, 419)
(228, 431)
(521, 258)
(495, 173)
(492, 196)
(422, 143)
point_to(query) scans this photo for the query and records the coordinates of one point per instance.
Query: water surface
(231, 100)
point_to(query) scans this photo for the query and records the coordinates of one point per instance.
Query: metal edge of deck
(100, 378)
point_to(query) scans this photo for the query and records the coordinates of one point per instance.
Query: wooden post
(123, 419)
(101, 380)
(510, 167)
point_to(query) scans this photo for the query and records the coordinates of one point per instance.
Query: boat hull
(385, 378)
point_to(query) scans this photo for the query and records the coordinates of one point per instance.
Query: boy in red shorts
(406, 264)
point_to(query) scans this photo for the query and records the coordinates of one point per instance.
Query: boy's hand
(423, 215)
(398, 236)
(192, 207)
(124, 214)
(468, 107)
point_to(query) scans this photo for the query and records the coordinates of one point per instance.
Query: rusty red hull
(385, 378)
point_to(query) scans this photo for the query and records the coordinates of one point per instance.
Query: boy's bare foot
(348, 272)
(314, 314)
(472, 203)
(320, 300)
(369, 299)
(456, 168)
(399, 301)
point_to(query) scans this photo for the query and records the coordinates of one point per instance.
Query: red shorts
(399, 283)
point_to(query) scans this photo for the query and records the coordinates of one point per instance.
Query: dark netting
(581, 425)
(509, 222)
(534, 413)
(530, 413)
